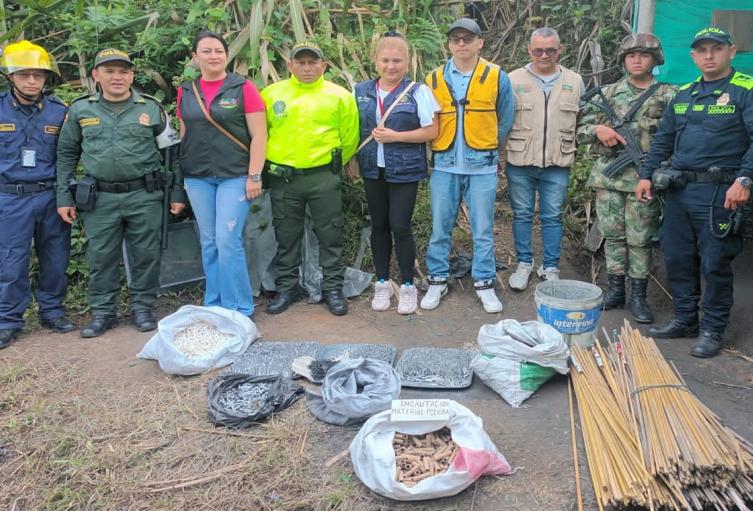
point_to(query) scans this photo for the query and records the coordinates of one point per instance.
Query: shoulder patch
(742, 80)
(85, 96)
(147, 96)
(57, 100)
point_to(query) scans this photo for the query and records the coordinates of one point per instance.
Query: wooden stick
(578, 494)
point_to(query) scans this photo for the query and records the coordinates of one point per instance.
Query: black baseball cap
(306, 46)
(466, 24)
(112, 55)
(711, 34)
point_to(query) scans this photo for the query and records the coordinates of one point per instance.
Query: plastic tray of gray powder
(328, 354)
(267, 358)
(435, 368)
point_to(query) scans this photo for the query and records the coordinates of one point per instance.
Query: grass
(76, 439)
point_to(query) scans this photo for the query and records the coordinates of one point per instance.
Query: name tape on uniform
(7, 127)
(409, 410)
(52, 130)
(90, 121)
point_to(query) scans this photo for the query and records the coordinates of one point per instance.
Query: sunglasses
(467, 39)
(538, 52)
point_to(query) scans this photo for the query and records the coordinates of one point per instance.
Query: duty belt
(277, 170)
(705, 176)
(26, 188)
(122, 186)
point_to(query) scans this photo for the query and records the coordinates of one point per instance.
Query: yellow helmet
(25, 55)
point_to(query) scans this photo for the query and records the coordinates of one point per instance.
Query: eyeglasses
(538, 52)
(467, 39)
(28, 75)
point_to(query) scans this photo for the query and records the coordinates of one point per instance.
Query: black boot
(637, 305)
(335, 302)
(60, 324)
(7, 335)
(282, 301)
(98, 325)
(144, 320)
(674, 329)
(708, 344)
(614, 298)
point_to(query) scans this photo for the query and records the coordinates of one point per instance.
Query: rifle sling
(628, 117)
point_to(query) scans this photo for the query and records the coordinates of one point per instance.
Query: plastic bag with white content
(353, 390)
(517, 358)
(373, 455)
(236, 330)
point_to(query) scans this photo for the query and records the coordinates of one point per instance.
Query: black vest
(204, 150)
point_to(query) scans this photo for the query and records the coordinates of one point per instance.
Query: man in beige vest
(540, 151)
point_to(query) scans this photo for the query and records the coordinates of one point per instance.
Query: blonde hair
(392, 39)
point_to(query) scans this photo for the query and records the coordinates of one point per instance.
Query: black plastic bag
(275, 393)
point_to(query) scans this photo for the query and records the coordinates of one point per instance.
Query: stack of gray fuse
(266, 358)
(435, 368)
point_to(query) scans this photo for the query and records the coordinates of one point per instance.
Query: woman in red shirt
(223, 136)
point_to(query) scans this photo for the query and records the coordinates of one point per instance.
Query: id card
(28, 158)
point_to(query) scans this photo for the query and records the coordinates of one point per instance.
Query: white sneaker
(382, 294)
(407, 300)
(434, 294)
(551, 273)
(485, 292)
(519, 279)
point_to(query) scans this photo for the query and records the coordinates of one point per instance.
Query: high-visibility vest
(480, 128)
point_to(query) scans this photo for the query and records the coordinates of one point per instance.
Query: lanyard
(379, 97)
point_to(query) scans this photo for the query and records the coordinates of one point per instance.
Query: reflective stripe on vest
(480, 126)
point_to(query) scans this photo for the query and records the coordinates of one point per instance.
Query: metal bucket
(572, 307)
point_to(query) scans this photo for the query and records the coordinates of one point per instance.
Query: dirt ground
(85, 425)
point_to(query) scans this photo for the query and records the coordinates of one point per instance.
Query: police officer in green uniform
(707, 129)
(120, 196)
(313, 130)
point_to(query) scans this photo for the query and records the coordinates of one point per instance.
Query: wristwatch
(744, 181)
(256, 178)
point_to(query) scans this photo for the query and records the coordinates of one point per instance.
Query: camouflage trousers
(628, 227)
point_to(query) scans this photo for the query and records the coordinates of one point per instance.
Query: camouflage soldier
(628, 225)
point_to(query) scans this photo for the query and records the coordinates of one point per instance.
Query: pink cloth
(252, 101)
(479, 463)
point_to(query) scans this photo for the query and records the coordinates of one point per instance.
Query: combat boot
(707, 345)
(675, 329)
(637, 304)
(614, 298)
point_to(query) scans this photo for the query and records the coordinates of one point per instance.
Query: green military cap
(111, 55)
(711, 34)
(306, 46)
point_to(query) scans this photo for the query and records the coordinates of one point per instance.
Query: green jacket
(112, 146)
(621, 96)
(306, 121)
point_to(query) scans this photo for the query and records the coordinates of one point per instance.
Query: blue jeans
(221, 208)
(551, 183)
(479, 191)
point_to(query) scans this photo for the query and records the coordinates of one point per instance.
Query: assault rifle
(632, 153)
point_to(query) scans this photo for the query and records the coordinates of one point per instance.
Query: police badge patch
(279, 108)
(144, 119)
(723, 99)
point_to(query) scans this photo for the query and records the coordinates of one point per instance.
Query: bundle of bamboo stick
(649, 441)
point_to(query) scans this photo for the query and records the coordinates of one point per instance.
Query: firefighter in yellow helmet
(30, 122)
